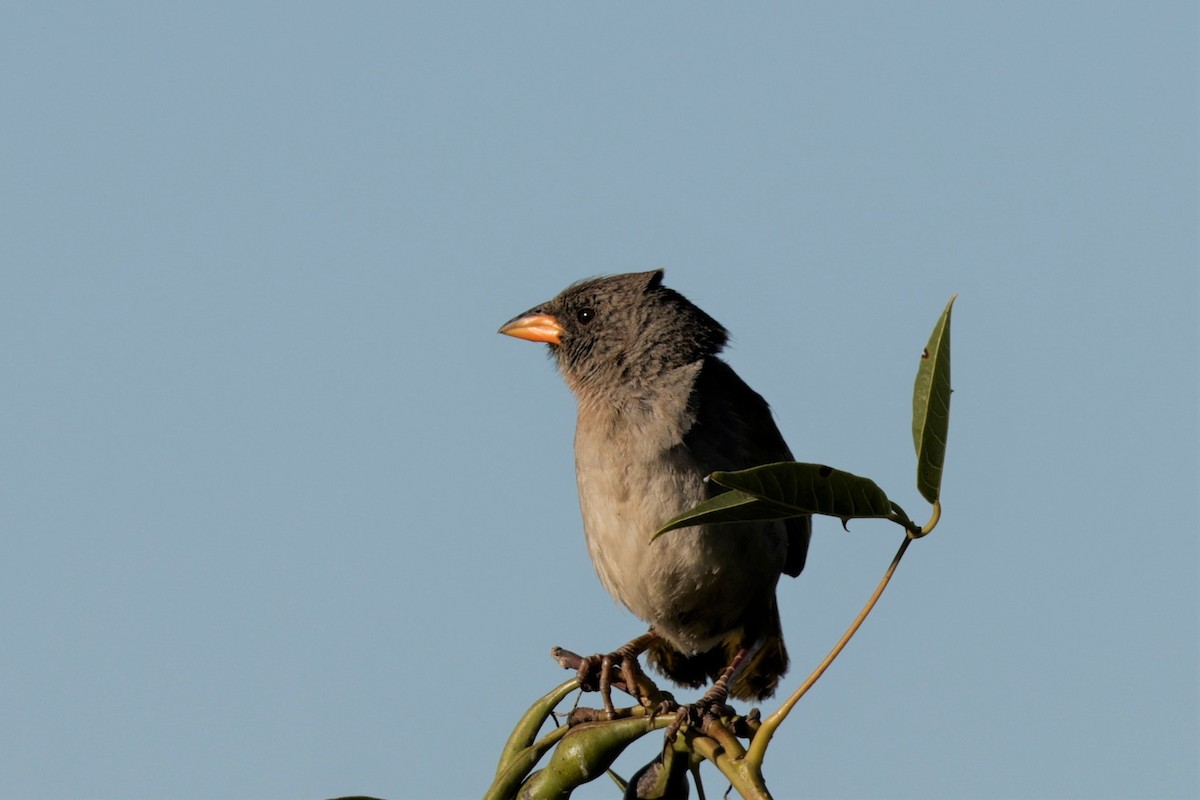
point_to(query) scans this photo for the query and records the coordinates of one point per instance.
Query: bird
(658, 411)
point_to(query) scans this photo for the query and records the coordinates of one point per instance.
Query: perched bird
(657, 412)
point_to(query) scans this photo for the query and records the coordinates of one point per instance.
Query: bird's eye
(585, 315)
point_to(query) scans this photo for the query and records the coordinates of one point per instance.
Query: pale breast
(629, 485)
(634, 473)
(623, 503)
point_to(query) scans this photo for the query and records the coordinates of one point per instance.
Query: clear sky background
(283, 517)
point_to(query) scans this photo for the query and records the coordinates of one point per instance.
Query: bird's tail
(755, 679)
(758, 676)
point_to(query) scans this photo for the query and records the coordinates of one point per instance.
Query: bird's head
(621, 329)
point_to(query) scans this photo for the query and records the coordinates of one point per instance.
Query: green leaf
(931, 408)
(587, 751)
(521, 754)
(531, 722)
(810, 489)
(726, 507)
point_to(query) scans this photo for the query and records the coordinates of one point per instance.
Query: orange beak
(535, 328)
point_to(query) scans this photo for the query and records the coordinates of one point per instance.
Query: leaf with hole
(787, 489)
(730, 506)
(810, 489)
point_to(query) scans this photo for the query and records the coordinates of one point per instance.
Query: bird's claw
(601, 672)
(602, 666)
(707, 709)
(698, 715)
(619, 668)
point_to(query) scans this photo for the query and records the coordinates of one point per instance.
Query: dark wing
(734, 430)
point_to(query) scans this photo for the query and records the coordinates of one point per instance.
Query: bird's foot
(698, 715)
(620, 668)
(710, 707)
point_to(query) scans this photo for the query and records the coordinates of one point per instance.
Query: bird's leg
(601, 665)
(712, 703)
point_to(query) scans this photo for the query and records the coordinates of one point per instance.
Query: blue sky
(284, 517)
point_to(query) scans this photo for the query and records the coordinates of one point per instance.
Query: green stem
(933, 521)
(745, 777)
(758, 746)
